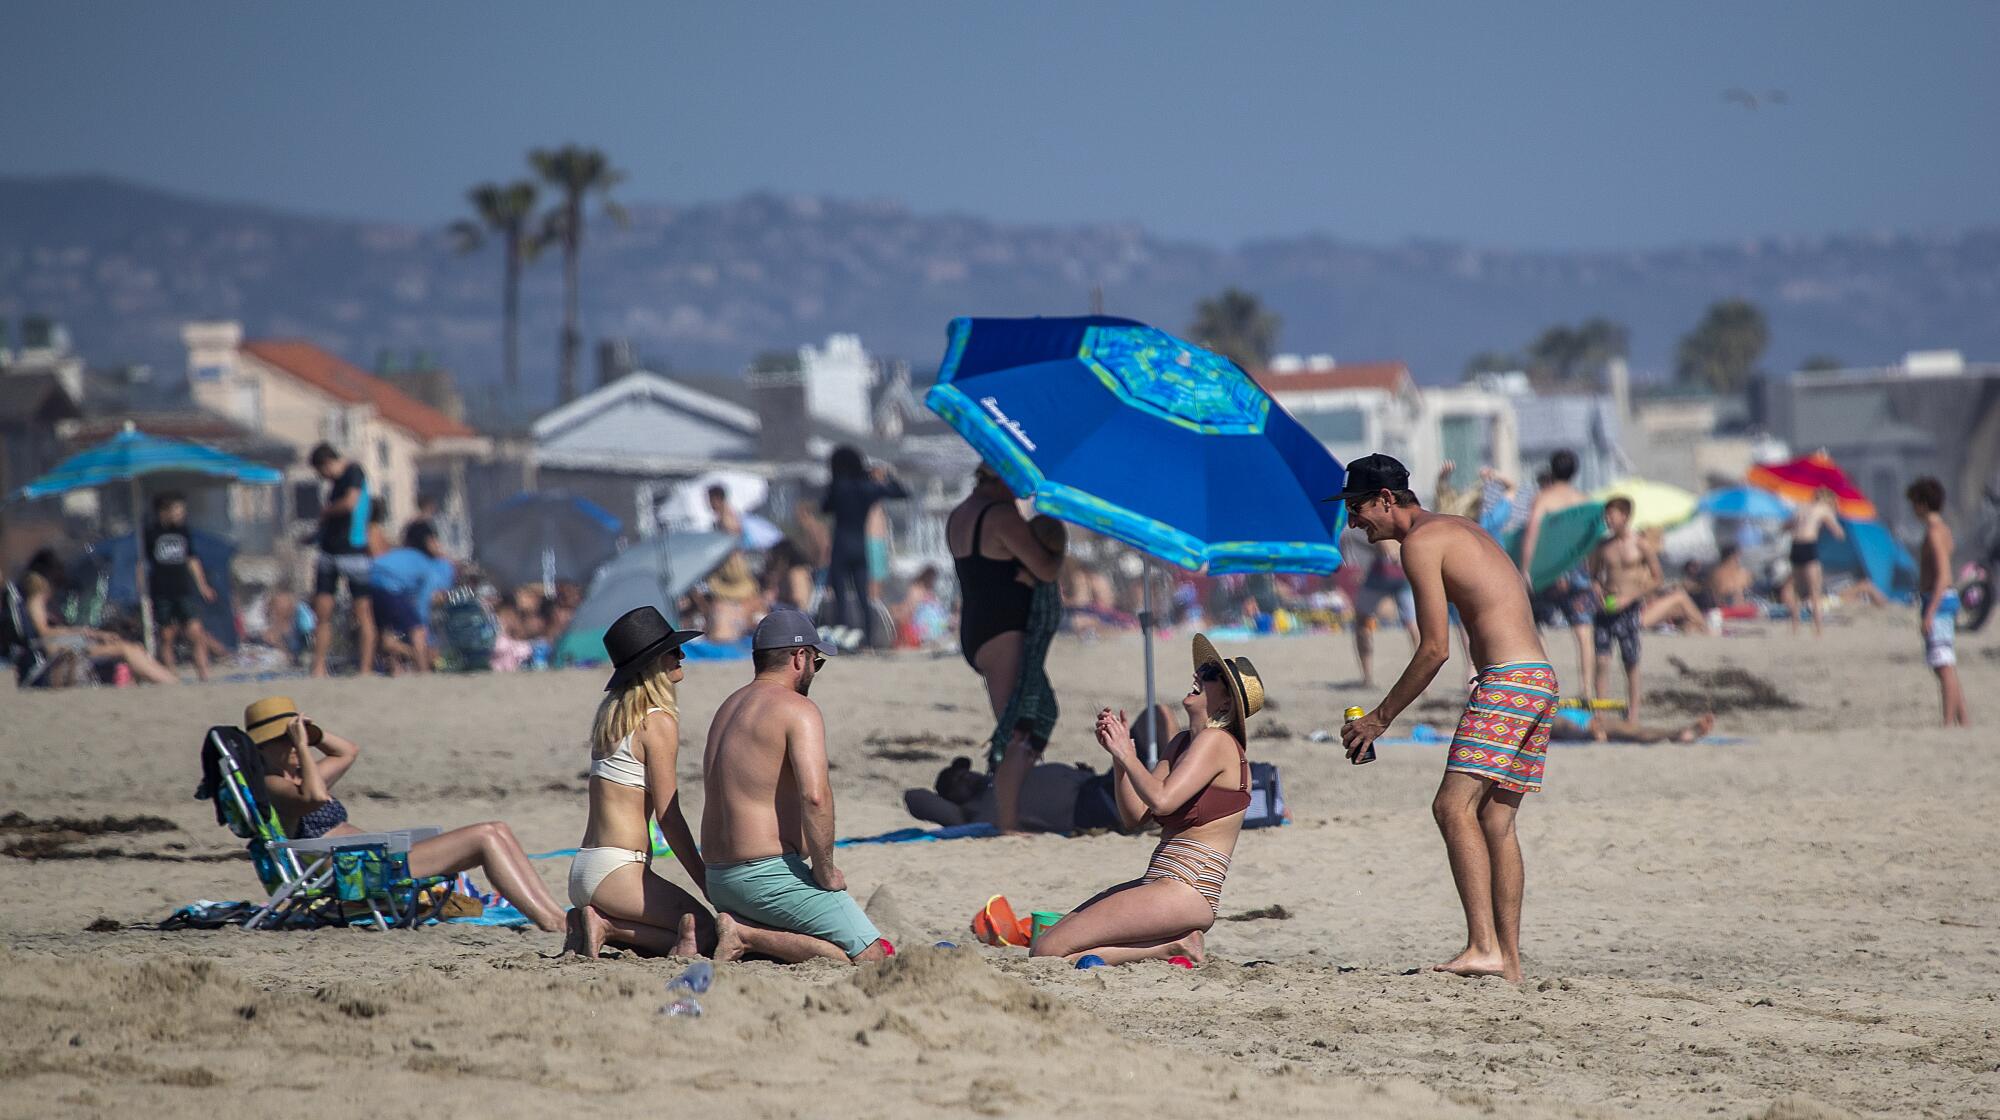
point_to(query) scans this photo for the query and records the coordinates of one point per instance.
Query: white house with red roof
(301, 395)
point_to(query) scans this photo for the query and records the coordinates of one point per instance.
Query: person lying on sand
(1602, 728)
(302, 764)
(1198, 793)
(1054, 798)
(769, 807)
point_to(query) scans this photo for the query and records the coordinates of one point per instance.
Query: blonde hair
(623, 711)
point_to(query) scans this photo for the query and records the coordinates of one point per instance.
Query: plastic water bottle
(686, 1007)
(694, 980)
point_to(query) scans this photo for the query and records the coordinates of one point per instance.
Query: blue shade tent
(1747, 503)
(116, 557)
(1130, 432)
(655, 572)
(1870, 550)
(131, 456)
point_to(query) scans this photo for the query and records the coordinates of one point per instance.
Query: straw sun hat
(1246, 688)
(271, 717)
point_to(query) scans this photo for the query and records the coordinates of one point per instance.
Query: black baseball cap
(786, 628)
(1372, 474)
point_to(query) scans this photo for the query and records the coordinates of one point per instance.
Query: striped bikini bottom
(1192, 862)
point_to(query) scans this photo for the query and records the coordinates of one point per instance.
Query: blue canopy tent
(117, 559)
(1127, 431)
(1871, 551)
(131, 456)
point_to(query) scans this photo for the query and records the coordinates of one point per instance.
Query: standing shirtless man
(768, 806)
(1497, 755)
(1567, 600)
(1624, 569)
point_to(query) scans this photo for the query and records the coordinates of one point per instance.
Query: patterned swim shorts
(1504, 734)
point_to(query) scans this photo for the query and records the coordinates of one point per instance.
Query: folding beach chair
(341, 880)
(21, 649)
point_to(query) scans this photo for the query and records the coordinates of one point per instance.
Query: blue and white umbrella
(131, 456)
(1130, 432)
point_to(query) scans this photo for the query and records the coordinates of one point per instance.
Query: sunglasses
(1208, 673)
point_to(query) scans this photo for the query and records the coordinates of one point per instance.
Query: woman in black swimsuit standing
(990, 546)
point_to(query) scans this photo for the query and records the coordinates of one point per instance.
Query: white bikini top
(619, 767)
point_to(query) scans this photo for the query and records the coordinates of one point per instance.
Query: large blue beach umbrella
(1130, 432)
(131, 456)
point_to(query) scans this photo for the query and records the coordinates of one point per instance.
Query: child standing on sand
(1940, 598)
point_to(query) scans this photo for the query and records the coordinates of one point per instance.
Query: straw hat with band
(639, 636)
(271, 717)
(1246, 688)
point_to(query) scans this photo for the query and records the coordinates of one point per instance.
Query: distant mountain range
(704, 288)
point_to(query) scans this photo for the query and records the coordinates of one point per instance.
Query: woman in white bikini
(634, 747)
(1198, 793)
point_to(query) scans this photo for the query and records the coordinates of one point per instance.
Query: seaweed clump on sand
(1727, 689)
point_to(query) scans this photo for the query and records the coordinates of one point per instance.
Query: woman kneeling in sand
(302, 764)
(1198, 794)
(634, 746)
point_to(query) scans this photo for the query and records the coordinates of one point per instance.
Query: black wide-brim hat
(639, 636)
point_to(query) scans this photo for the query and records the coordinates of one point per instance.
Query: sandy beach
(1802, 924)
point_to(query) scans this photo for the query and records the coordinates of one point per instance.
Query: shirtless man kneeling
(1502, 741)
(768, 806)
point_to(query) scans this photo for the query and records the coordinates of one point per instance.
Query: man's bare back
(750, 797)
(1481, 581)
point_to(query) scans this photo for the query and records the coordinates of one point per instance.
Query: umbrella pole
(139, 571)
(1146, 629)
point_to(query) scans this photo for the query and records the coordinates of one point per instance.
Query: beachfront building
(1931, 413)
(1361, 408)
(301, 395)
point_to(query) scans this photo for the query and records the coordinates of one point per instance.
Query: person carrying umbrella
(1498, 753)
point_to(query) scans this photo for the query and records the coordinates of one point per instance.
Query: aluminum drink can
(1367, 753)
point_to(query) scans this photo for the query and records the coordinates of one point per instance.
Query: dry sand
(1799, 926)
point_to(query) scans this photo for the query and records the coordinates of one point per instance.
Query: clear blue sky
(1531, 125)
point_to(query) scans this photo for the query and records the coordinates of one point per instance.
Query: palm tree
(1235, 325)
(576, 172)
(506, 213)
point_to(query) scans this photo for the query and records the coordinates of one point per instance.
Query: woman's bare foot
(728, 938)
(686, 946)
(595, 930)
(573, 932)
(1469, 963)
(1189, 947)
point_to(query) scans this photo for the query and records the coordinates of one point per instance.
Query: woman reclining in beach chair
(1198, 793)
(302, 764)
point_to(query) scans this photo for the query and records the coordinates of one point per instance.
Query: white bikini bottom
(590, 867)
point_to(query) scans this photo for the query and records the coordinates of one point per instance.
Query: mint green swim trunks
(779, 892)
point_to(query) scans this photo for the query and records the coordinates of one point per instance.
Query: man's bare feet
(595, 930)
(1469, 963)
(728, 938)
(686, 947)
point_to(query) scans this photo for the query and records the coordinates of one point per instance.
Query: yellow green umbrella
(1654, 504)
